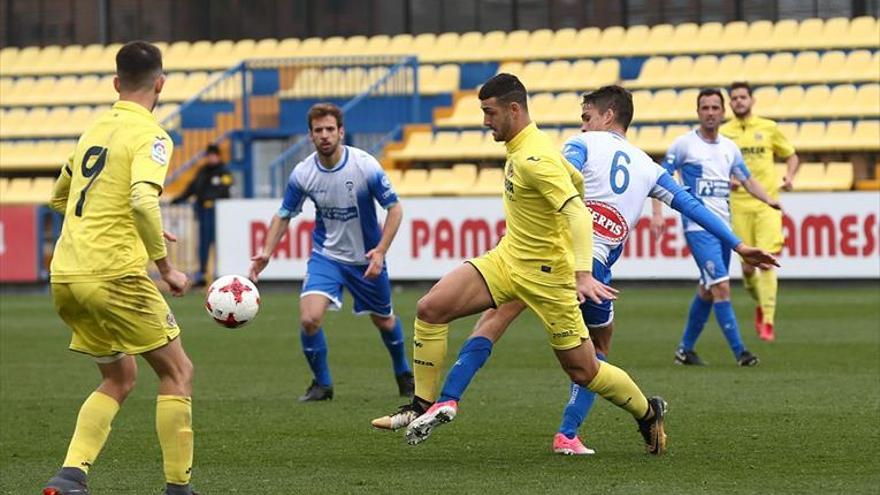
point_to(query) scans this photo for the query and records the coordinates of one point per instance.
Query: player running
(759, 140)
(109, 194)
(707, 161)
(349, 246)
(543, 261)
(618, 178)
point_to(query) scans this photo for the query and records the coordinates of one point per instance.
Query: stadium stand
(819, 78)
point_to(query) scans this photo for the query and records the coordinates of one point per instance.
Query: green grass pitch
(807, 420)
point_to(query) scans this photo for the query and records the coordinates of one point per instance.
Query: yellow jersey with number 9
(99, 240)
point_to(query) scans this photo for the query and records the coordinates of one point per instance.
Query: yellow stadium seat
(841, 102)
(354, 45)
(784, 35)
(288, 47)
(539, 44)
(176, 57)
(832, 67)
(464, 175)
(490, 182)
(332, 47)
(437, 80)
(760, 36)
(394, 176)
(810, 177)
(814, 102)
(6, 85)
(470, 144)
(441, 182)
(377, 45)
(69, 56)
(681, 40)
(20, 90)
(310, 47)
(494, 46)
(650, 139)
(47, 60)
(8, 58)
(672, 132)
(641, 101)
(662, 104)
(414, 183)
(244, 49)
(206, 55)
(811, 135)
(705, 72)
(789, 103)
(709, 38)
(467, 48)
(515, 68)
(417, 143)
(611, 40)
(859, 66)
(401, 44)
(733, 38)
(677, 68)
(65, 88)
(492, 148)
(686, 105)
(444, 48)
(635, 41)
(755, 64)
(444, 146)
(835, 33)
(420, 45)
(90, 59)
(652, 71)
(586, 42)
(466, 113)
(868, 99)
(607, 72)
(805, 69)
(788, 129)
(729, 69)
(41, 191)
(864, 31)
(534, 74)
(779, 68)
(839, 176)
(541, 107)
(810, 34)
(866, 135)
(566, 109)
(838, 134)
(26, 61)
(18, 190)
(267, 48)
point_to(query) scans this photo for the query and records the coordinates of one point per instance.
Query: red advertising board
(18, 244)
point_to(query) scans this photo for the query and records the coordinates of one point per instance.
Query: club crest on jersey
(608, 223)
(159, 152)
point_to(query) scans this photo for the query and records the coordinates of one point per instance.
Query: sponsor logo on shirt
(341, 214)
(713, 188)
(608, 223)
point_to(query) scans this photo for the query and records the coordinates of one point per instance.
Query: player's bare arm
(756, 257)
(792, 164)
(658, 223)
(757, 190)
(276, 231)
(389, 231)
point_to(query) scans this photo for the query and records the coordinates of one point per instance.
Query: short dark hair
(614, 97)
(741, 85)
(709, 92)
(138, 63)
(212, 148)
(506, 88)
(319, 110)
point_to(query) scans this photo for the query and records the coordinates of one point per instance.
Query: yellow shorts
(556, 305)
(759, 227)
(127, 315)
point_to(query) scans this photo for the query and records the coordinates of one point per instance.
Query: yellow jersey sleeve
(61, 190)
(576, 177)
(150, 158)
(552, 179)
(781, 146)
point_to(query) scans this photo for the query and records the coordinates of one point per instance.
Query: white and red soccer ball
(232, 301)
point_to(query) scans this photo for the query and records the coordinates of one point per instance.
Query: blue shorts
(599, 315)
(713, 259)
(327, 277)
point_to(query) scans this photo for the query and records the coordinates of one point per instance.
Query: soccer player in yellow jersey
(753, 221)
(109, 194)
(544, 260)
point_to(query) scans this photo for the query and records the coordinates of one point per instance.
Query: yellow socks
(768, 285)
(92, 429)
(174, 426)
(429, 352)
(615, 385)
(750, 282)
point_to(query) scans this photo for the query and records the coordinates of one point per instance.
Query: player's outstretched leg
(314, 347)
(460, 292)
(580, 402)
(392, 336)
(616, 386)
(729, 326)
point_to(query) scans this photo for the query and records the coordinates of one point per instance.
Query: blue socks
(315, 349)
(580, 402)
(727, 321)
(394, 342)
(697, 318)
(471, 358)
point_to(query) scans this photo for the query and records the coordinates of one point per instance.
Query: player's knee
(121, 386)
(385, 324)
(429, 312)
(721, 291)
(310, 323)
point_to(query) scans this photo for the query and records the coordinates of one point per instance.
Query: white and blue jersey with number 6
(346, 227)
(706, 168)
(618, 178)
